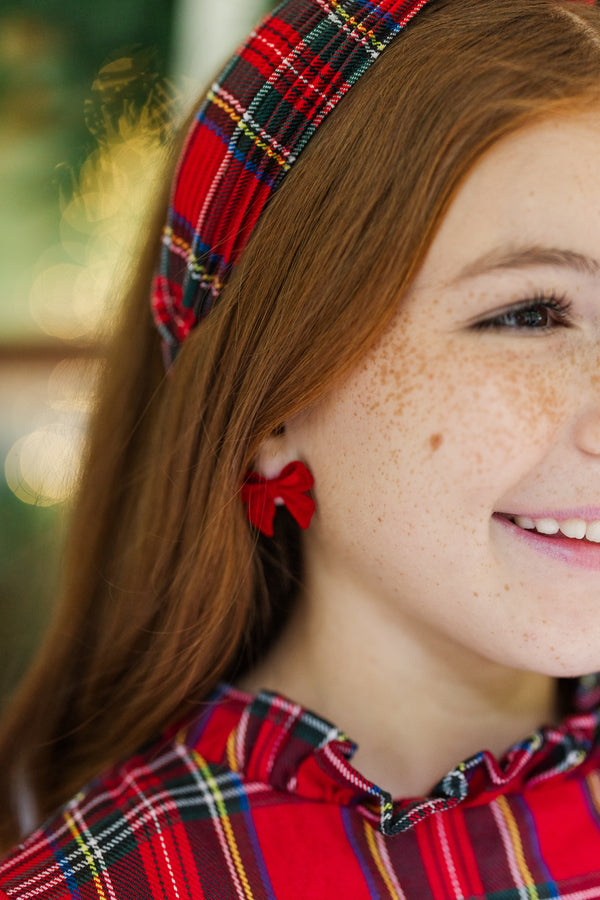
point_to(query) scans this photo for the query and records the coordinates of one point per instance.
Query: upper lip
(587, 513)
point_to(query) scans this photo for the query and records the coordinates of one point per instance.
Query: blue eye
(538, 314)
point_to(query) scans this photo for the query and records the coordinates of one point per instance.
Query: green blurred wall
(50, 54)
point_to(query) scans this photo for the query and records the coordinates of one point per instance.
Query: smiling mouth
(573, 529)
(582, 553)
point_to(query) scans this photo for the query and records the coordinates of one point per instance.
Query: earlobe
(274, 454)
(278, 478)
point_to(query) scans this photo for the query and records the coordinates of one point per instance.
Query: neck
(416, 703)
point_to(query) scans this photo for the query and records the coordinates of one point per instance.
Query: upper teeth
(572, 528)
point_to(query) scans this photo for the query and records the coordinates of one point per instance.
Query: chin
(560, 664)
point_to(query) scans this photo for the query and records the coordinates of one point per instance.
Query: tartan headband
(253, 123)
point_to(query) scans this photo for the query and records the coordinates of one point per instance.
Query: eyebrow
(513, 257)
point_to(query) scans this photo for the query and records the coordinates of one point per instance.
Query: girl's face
(481, 403)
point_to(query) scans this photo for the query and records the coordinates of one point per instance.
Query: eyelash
(558, 306)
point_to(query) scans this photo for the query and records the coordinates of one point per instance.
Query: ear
(274, 454)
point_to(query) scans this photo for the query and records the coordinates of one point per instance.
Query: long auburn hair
(166, 590)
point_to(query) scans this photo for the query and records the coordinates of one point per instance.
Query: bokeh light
(78, 283)
(43, 468)
(75, 293)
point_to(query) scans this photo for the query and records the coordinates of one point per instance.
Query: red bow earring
(287, 489)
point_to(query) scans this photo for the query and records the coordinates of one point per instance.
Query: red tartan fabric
(257, 798)
(255, 121)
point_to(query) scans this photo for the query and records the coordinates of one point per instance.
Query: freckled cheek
(531, 401)
(512, 425)
(483, 406)
(451, 414)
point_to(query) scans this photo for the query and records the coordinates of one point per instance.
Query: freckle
(435, 441)
(506, 587)
(475, 594)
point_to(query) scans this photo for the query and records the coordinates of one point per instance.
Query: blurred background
(89, 95)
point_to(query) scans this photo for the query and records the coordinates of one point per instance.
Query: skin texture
(418, 603)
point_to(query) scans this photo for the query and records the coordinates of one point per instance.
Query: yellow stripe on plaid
(351, 20)
(224, 821)
(88, 856)
(192, 260)
(513, 830)
(231, 759)
(374, 850)
(249, 132)
(593, 782)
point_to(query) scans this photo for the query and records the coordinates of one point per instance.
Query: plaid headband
(254, 122)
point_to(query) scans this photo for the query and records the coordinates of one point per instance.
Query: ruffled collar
(271, 740)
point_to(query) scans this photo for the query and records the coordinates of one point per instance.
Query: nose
(587, 431)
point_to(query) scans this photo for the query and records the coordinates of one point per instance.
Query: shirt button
(455, 785)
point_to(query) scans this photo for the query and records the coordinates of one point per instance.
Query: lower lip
(583, 554)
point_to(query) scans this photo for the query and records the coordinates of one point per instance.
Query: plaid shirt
(256, 798)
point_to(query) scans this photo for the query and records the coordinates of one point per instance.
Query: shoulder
(245, 793)
(142, 829)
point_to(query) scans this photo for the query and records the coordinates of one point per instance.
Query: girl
(367, 492)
